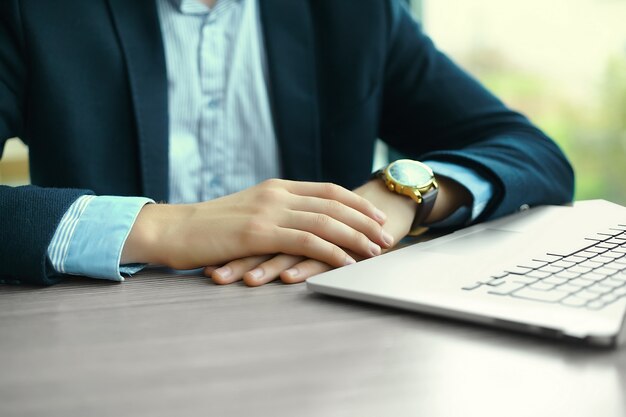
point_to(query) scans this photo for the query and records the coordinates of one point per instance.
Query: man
(186, 101)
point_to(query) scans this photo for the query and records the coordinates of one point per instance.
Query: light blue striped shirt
(221, 135)
(220, 132)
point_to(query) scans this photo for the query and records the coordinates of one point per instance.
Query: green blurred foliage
(592, 132)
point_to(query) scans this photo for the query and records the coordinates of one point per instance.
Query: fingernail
(256, 273)
(349, 260)
(387, 238)
(380, 215)
(292, 272)
(224, 271)
(374, 249)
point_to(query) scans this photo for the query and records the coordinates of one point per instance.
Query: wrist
(399, 209)
(148, 240)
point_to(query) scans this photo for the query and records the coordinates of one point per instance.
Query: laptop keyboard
(590, 277)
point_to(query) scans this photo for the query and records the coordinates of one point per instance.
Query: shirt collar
(197, 7)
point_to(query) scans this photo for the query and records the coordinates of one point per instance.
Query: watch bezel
(422, 186)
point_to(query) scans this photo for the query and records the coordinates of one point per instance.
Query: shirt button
(214, 103)
(524, 207)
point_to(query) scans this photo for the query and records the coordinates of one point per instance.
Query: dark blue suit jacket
(83, 83)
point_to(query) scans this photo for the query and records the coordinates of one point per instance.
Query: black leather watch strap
(424, 209)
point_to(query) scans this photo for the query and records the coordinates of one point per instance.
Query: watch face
(410, 173)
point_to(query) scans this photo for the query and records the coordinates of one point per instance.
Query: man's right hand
(315, 220)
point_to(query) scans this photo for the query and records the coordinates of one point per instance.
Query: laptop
(555, 271)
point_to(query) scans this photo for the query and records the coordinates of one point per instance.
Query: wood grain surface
(169, 345)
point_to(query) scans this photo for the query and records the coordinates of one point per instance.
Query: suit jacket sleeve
(28, 215)
(427, 98)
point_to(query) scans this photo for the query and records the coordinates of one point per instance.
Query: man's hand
(399, 210)
(316, 220)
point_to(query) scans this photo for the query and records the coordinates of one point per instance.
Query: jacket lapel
(138, 28)
(290, 47)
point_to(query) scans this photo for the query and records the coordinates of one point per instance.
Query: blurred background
(561, 62)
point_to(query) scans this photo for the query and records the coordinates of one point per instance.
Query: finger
(347, 215)
(303, 270)
(207, 270)
(330, 191)
(270, 270)
(234, 270)
(332, 231)
(298, 242)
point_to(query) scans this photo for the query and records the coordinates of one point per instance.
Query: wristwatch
(415, 180)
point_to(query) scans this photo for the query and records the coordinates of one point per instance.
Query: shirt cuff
(480, 189)
(91, 235)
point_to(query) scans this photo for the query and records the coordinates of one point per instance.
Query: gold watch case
(410, 178)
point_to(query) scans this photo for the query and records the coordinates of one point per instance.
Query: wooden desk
(165, 345)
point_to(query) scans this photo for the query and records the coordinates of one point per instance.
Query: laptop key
(596, 249)
(518, 270)
(593, 276)
(588, 295)
(563, 264)
(609, 298)
(580, 282)
(506, 289)
(567, 274)
(590, 264)
(542, 286)
(615, 267)
(538, 274)
(619, 276)
(575, 259)
(471, 287)
(614, 283)
(522, 279)
(604, 259)
(554, 280)
(586, 254)
(595, 305)
(605, 271)
(579, 269)
(539, 295)
(568, 288)
(533, 264)
(573, 301)
(551, 269)
(605, 245)
(548, 258)
(598, 288)
(494, 282)
(610, 232)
